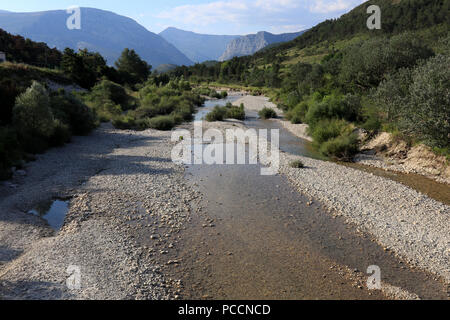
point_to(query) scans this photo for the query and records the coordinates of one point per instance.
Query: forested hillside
(19, 49)
(340, 75)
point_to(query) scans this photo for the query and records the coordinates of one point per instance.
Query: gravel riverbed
(128, 202)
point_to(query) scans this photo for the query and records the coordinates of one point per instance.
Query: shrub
(108, 91)
(296, 164)
(298, 113)
(108, 111)
(69, 110)
(365, 64)
(234, 112)
(10, 151)
(417, 101)
(125, 123)
(61, 134)
(334, 106)
(328, 129)
(267, 113)
(8, 92)
(218, 114)
(33, 118)
(164, 123)
(343, 147)
(428, 111)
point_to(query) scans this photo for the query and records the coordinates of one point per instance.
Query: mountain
(101, 31)
(197, 47)
(249, 44)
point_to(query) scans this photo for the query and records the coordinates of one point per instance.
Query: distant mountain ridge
(252, 43)
(101, 31)
(198, 47)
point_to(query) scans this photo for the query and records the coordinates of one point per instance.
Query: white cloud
(274, 15)
(287, 28)
(327, 6)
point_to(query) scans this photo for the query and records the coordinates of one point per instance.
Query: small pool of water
(53, 211)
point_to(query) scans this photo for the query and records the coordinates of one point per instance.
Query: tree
(132, 68)
(428, 112)
(84, 67)
(418, 100)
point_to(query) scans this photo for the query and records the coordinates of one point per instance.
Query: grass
(24, 74)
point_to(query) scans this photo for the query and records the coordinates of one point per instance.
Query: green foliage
(21, 50)
(10, 151)
(234, 112)
(334, 138)
(429, 107)
(160, 107)
(32, 113)
(227, 112)
(132, 68)
(108, 91)
(418, 101)
(162, 122)
(85, 68)
(298, 113)
(366, 64)
(267, 113)
(72, 112)
(334, 106)
(8, 93)
(343, 147)
(327, 129)
(218, 114)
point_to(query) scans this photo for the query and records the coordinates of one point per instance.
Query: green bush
(267, 113)
(61, 134)
(234, 112)
(218, 114)
(334, 106)
(125, 123)
(365, 64)
(163, 123)
(9, 90)
(296, 164)
(69, 110)
(32, 113)
(428, 111)
(343, 147)
(10, 151)
(417, 101)
(108, 91)
(328, 129)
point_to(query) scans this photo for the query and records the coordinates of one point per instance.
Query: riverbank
(128, 202)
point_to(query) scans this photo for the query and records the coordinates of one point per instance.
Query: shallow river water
(267, 241)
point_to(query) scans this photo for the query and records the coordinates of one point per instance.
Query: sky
(234, 17)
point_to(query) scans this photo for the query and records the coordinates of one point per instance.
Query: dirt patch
(387, 153)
